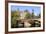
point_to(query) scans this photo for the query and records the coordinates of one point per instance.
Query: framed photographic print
(24, 16)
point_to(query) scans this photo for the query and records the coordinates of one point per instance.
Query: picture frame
(23, 3)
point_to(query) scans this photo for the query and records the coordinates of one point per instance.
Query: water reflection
(26, 24)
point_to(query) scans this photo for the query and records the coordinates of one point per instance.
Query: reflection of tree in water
(20, 24)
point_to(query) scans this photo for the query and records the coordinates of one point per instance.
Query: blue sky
(36, 9)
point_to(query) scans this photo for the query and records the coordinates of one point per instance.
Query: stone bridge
(29, 20)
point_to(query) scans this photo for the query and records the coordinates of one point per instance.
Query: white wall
(2, 17)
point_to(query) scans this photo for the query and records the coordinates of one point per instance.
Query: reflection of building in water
(29, 23)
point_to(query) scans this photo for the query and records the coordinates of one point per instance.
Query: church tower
(32, 13)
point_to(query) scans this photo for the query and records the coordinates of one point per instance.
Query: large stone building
(22, 14)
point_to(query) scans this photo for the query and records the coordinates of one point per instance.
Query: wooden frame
(6, 16)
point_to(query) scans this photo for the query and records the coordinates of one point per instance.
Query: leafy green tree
(14, 15)
(28, 16)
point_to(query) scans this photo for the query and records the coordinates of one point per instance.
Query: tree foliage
(14, 15)
(33, 14)
(39, 15)
(28, 16)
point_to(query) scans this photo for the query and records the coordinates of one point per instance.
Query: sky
(36, 9)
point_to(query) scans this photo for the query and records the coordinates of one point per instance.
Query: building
(22, 14)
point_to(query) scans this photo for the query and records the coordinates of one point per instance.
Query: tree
(32, 13)
(28, 16)
(26, 10)
(14, 15)
(39, 15)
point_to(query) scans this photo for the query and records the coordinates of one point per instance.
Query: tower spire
(18, 9)
(32, 13)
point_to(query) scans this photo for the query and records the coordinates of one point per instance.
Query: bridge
(37, 19)
(28, 20)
